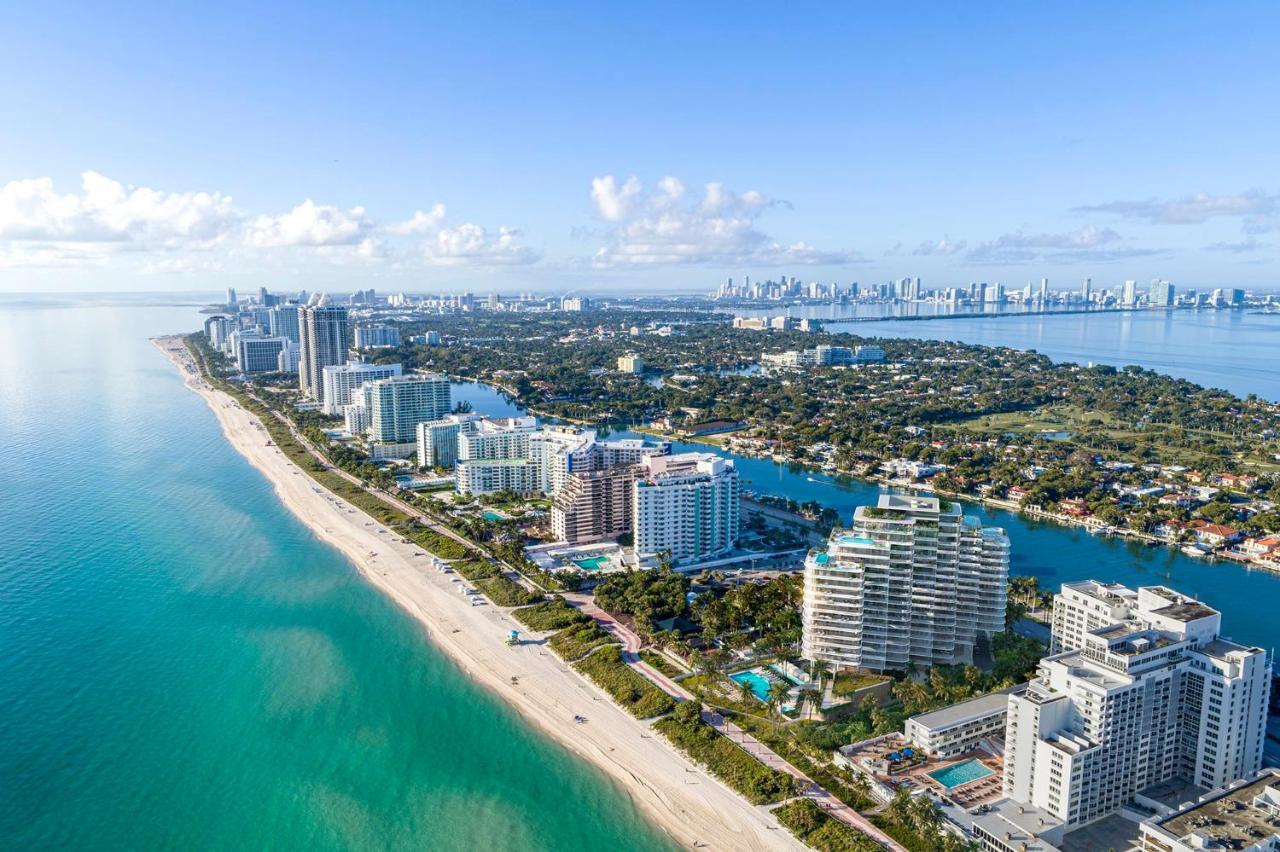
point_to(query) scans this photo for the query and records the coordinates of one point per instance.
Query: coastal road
(631, 643)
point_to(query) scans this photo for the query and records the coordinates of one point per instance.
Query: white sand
(691, 806)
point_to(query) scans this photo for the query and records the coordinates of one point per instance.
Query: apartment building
(594, 505)
(438, 439)
(685, 508)
(341, 381)
(1156, 695)
(399, 403)
(912, 581)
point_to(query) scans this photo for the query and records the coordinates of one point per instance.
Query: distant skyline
(657, 149)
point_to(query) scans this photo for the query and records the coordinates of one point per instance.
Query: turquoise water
(493, 516)
(591, 564)
(759, 683)
(184, 666)
(960, 773)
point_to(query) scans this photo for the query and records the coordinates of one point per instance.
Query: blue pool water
(591, 564)
(960, 773)
(490, 515)
(759, 683)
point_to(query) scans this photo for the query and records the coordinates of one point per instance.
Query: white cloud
(613, 203)
(1247, 245)
(1192, 209)
(420, 222)
(1089, 243)
(944, 247)
(661, 227)
(107, 211)
(472, 245)
(311, 224)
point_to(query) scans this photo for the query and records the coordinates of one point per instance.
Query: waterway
(183, 665)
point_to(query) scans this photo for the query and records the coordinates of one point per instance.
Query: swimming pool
(756, 679)
(490, 515)
(960, 773)
(592, 563)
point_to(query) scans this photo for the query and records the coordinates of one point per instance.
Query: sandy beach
(693, 808)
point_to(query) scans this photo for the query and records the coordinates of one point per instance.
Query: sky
(655, 147)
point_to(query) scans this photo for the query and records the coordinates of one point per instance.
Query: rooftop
(1230, 817)
(1188, 611)
(983, 705)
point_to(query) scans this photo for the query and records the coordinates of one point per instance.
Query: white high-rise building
(398, 404)
(283, 322)
(341, 381)
(322, 341)
(685, 507)
(438, 439)
(1129, 294)
(1144, 690)
(376, 336)
(287, 361)
(912, 581)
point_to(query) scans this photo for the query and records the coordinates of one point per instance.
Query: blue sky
(510, 147)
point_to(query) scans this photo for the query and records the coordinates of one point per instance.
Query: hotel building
(1154, 695)
(912, 581)
(685, 507)
(398, 404)
(594, 505)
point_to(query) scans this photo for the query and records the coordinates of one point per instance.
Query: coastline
(685, 802)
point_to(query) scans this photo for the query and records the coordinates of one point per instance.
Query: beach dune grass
(819, 830)
(554, 614)
(759, 784)
(624, 684)
(575, 641)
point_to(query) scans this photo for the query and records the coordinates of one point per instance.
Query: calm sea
(184, 666)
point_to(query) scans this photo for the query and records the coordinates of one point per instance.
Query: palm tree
(777, 692)
(811, 699)
(745, 692)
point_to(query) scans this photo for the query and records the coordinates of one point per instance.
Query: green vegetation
(627, 687)
(848, 682)
(648, 596)
(554, 614)
(819, 830)
(660, 663)
(756, 782)
(916, 823)
(504, 591)
(574, 642)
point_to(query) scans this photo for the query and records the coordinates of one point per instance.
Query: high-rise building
(257, 354)
(322, 341)
(685, 507)
(594, 505)
(340, 382)
(1129, 293)
(398, 404)
(231, 296)
(287, 361)
(283, 322)
(376, 336)
(1086, 290)
(1161, 293)
(912, 581)
(438, 439)
(1144, 690)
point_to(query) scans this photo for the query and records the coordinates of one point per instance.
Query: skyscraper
(283, 322)
(912, 581)
(1161, 293)
(322, 333)
(340, 382)
(1129, 295)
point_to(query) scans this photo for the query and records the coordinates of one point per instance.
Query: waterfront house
(1214, 535)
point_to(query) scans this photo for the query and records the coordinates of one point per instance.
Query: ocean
(184, 665)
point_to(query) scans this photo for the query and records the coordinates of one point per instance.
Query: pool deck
(967, 796)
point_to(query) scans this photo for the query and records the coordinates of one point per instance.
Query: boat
(1192, 550)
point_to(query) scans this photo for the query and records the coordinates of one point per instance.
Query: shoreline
(657, 779)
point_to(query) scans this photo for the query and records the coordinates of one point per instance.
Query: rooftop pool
(960, 773)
